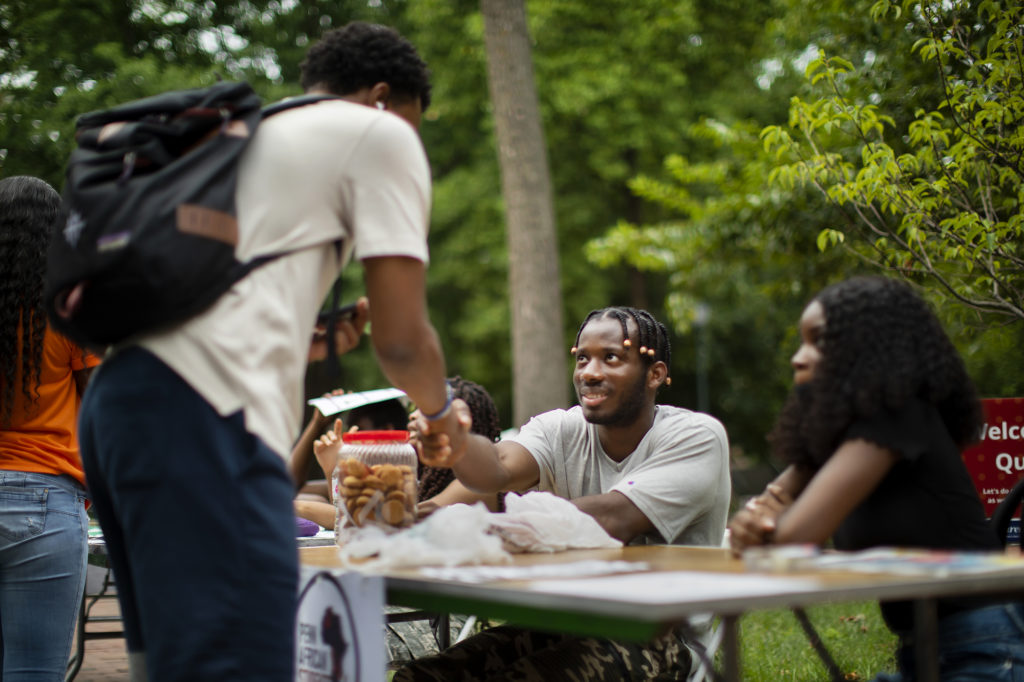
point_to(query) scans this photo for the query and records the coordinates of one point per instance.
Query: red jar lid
(375, 437)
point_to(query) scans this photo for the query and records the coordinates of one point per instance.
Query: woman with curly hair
(873, 432)
(43, 523)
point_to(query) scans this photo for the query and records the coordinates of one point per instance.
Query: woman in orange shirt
(43, 523)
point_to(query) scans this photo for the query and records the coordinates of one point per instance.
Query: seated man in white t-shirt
(647, 473)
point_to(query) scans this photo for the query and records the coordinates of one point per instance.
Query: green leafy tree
(749, 249)
(741, 262)
(939, 197)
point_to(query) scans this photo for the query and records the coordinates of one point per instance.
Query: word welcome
(1002, 432)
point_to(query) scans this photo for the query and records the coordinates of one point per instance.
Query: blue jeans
(43, 546)
(198, 520)
(981, 645)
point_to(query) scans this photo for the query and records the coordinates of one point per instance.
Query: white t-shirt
(678, 476)
(312, 176)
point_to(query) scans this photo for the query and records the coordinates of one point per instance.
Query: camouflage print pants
(510, 653)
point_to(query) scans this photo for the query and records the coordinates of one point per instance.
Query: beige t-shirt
(312, 175)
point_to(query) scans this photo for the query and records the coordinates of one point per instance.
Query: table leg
(444, 630)
(926, 640)
(730, 648)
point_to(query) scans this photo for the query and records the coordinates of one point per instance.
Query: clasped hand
(755, 523)
(442, 442)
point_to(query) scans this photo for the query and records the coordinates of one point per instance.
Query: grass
(774, 647)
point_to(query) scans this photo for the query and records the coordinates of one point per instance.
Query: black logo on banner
(326, 641)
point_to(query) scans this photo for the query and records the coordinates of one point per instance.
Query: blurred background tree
(656, 114)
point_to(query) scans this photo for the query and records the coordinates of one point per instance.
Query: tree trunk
(539, 350)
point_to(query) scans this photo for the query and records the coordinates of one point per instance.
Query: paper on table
(660, 587)
(333, 404)
(575, 569)
(909, 561)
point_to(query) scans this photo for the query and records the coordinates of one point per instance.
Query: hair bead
(573, 350)
(651, 335)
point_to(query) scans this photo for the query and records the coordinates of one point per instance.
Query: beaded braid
(652, 335)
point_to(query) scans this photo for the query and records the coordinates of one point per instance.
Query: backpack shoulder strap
(293, 102)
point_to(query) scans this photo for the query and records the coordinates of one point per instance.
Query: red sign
(996, 462)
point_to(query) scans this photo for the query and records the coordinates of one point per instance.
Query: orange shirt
(43, 437)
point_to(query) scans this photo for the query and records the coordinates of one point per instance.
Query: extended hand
(441, 443)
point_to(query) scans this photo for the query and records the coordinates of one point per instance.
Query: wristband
(449, 396)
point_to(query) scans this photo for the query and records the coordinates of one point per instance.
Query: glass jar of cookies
(374, 482)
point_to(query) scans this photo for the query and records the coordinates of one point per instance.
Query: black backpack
(150, 226)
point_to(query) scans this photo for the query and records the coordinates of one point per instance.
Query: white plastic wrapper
(451, 536)
(542, 522)
(461, 535)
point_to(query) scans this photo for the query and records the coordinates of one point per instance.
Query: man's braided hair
(652, 335)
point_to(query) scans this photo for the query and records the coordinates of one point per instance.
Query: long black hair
(881, 347)
(29, 210)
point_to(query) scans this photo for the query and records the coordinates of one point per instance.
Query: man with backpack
(185, 430)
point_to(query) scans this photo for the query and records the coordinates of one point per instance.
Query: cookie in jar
(375, 480)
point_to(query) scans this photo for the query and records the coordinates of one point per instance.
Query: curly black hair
(485, 423)
(881, 346)
(360, 55)
(651, 334)
(29, 212)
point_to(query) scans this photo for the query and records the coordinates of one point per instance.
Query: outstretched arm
(481, 465)
(405, 342)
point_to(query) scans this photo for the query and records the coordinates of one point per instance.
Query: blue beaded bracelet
(449, 397)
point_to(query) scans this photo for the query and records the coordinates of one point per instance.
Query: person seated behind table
(387, 414)
(435, 488)
(313, 499)
(646, 473)
(881, 409)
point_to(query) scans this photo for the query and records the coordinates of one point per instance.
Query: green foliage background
(653, 112)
